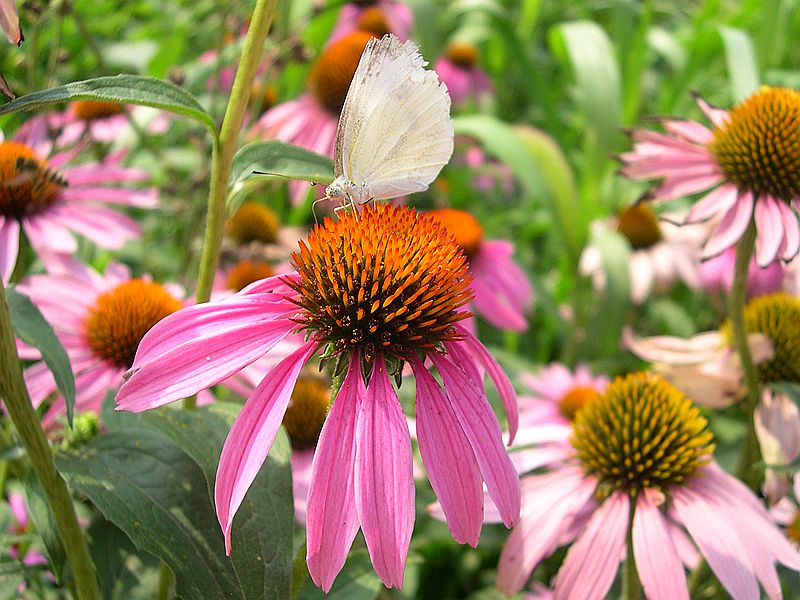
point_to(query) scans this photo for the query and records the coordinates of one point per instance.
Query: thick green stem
(748, 467)
(631, 586)
(18, 404)
(225, 146)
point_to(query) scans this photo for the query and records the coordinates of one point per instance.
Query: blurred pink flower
(104, 122)
(661, 252)
(502, 293)
(362, 468)
(675, 486)
(9, 21)
(458, 68)
(50, 202)
(99, 319)
(19, 525)
(716, 274)
(777, 424)
(489, 174)
(743, 161)
(377, 17)
(786, 513)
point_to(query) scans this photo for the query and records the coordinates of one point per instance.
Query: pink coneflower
(502, 292)
(377, 17)
(643, 455)
(459, 70)
(104, 122)
(751, 160)
(50, 202)
(716, 274)
(310, 121)
(9, 21)
(661, 252)
(99, 319)
(374, 290)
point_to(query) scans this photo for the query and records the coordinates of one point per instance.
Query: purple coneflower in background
(377, 17)
(374, 290)
(459, 70)
(50, 202)
(749, 161)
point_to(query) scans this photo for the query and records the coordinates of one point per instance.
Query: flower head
(459, 70)
(750, 158)
(50, 202)
(502, 292)
(642, 449)
(377, 17)
(374, 289)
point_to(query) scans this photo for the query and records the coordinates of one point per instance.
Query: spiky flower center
(329, 78)
(462, 54)
(778, 317)
(464, 227)
(642, 432)
(246, 272)
(372, 20)
(90, 110)
(640, 225)
(121, 316)
(307, 410)
(758, 148)
(575, 399)
(387, 279)
(27, 185)
(253, 222)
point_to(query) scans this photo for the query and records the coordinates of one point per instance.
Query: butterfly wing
(395, 132)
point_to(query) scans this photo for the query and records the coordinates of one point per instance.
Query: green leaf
(273, 157)
(125, 89)
(357, 581)
(741, 60)
(42, 517)
(12, 575)
(32, 328)
(788, 389)
(501, 141)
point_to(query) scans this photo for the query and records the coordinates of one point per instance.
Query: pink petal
(384, 485)
(449, 459)
(9, 247)
(86, 197)
(251, 436)
(593, 560)
(791, 230)
(480, 426)
(331, 518)
(769, 228)
(732, 226)
(498, 376)
(718, 543)
(9, 21)
(105, 227)
(657, 562)
(198, 347)
(716, 202)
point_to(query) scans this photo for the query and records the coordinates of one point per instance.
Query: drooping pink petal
(88, 197)
(448, 458)
(660, 570)
(791, 231)
(497, 375)
(777, 425)
(769, 230)
(9, 21)
(331, 518)
(732, 226)
(593, 560)
(252, 434)
(9, 247)
(384, 483)
(716, 202)
(718, 543)
(483, 432)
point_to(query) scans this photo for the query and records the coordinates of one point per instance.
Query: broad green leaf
(741, 60)
(32, 328)
(42, 517)
(125, 89)
(157, 495)
(501, 141)
(585, 47)
(273, 157)
(357, 581)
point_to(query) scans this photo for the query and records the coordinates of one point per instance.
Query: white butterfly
(395, 132)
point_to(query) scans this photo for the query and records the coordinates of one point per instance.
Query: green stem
(224, 147)
(698, 580)
(165, 581)
(20, 409)
(631, 586)
(747, 469)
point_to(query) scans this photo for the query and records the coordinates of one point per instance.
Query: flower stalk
(747, 469)
(18, 404)
(225, 146)
(631, 586)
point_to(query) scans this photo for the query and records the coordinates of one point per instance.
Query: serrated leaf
(273, 157)
(741, 60)
(125, 89)
(501, 141)
(157, 495)
(357, 581)
(32, 328)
